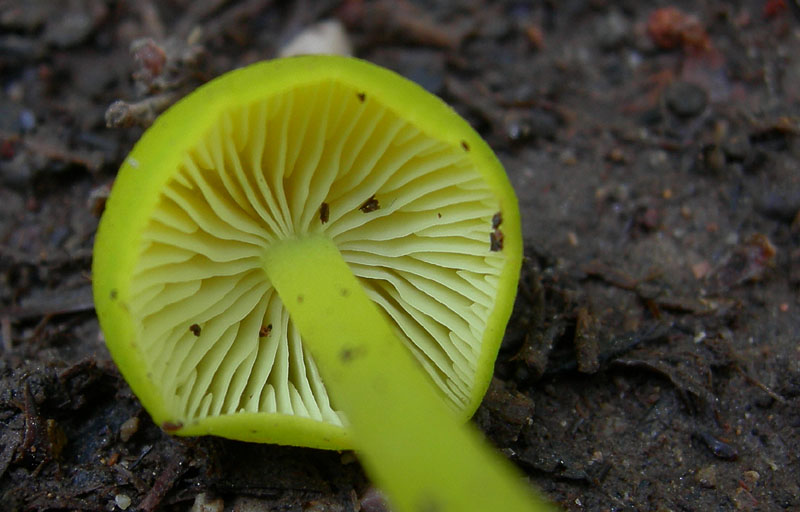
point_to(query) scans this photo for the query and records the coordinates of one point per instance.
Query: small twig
(129, 475)
(586, 341)
(404, 20)
(166, 479)
(70, 301)
(760, 385)
(33, 422)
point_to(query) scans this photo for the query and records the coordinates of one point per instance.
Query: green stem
(408, 439)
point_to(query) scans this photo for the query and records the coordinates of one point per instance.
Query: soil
(652, 361)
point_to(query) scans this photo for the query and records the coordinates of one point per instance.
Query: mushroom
(315, 251)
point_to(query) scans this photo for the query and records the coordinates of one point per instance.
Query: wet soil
(652, 362)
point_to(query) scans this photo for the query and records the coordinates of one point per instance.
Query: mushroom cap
(416, 202)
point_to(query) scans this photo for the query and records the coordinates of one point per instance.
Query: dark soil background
(652, 362)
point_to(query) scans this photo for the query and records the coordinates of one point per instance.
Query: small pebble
(326, 37)
(128, 428)
(707, 476)
(685, 99)
(123, 501)
(750, 478)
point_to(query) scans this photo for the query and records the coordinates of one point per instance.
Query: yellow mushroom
(315, 251)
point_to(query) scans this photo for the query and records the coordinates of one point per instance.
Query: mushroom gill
(412, 216)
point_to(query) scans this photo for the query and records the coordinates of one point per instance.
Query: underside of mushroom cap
(416, 203)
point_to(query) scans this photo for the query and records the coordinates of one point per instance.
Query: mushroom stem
(409, 440)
